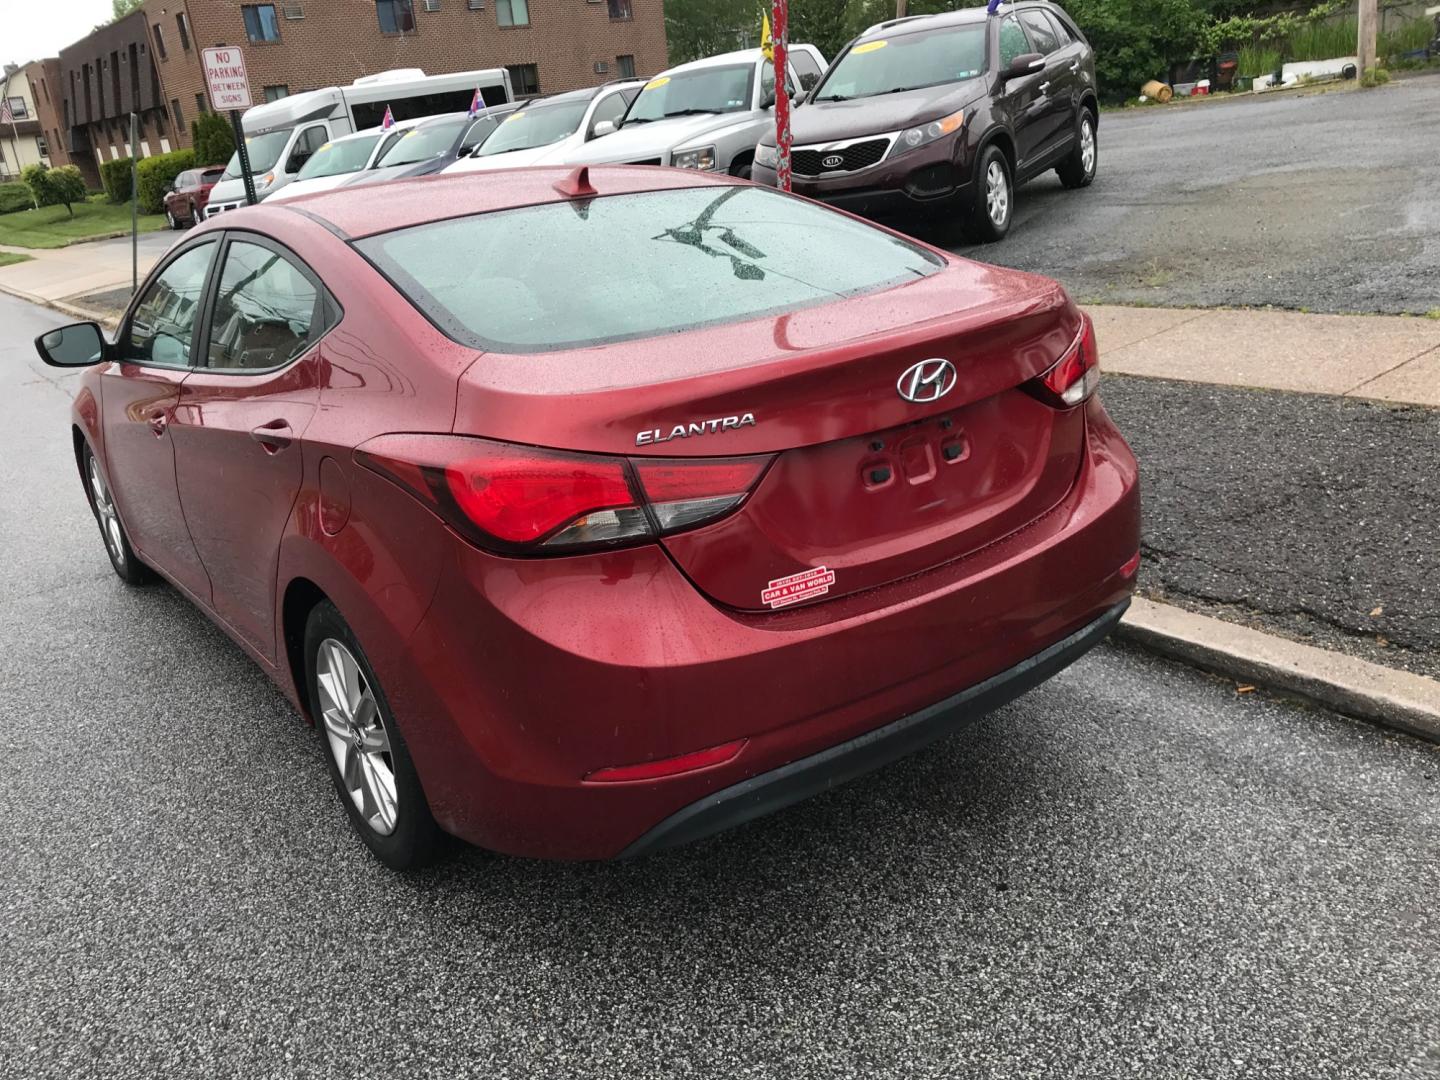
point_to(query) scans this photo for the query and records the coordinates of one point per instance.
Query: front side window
(538, 125)
(479, 134)
(907, 62)
(512, 12)
(160, 330)
(1013, 41)
(310, 140)
(396, 16)
(260, 22)
(264, 311)
(693, 257)
(611, 108)
(1040, 30)
(690, 93)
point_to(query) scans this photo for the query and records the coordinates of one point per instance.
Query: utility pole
(902, 8)
(1368, 20)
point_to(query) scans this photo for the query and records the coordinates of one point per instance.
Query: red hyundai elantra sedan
(587, 514)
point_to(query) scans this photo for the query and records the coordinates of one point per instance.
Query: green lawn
(10, 258)
(51, 227)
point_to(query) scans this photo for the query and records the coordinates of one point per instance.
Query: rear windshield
(907, 62)
(565, 275)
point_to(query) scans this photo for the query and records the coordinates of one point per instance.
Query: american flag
(6, 116)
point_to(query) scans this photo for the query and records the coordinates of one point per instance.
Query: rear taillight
(530, 501)
(1075, 376)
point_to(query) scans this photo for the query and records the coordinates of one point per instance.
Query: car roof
(367, 209)
(740, 56)
(915, 23)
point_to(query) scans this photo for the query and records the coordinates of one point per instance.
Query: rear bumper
(526, 676)
(779, 788)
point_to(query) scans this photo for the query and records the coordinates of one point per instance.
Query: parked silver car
(708, 114)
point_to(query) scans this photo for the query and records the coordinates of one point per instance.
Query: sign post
(134, 203)
(230, 92)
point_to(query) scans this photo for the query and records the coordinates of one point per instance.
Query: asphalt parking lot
(1133, 871)
(1320, 202)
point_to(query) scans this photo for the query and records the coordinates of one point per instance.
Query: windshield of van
(535, 125)
(691, 257)
(264, 152)
(704, 90)
(907, 62)
(424, 143)
(344, 156)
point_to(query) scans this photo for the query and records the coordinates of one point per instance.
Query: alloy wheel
(356, 734)
(109, 519)
(1087, 145)
(997, 194)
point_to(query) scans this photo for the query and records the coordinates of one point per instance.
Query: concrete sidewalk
(1384, 357)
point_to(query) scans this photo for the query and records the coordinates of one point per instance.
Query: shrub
(1135, 40)
(15, 196)
(155, 174)
(54, 187)
(1375, 77)
(213, 138)
(115, 179)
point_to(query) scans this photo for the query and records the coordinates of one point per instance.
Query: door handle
(274, 436)
(1044, 88)
(158, 423)
(1074, 66)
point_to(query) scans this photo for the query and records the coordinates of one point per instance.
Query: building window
(275, 93)
(625, 67)
(18, 110)
(396, 16)
(179, 116)
(432, 5)
(524, 78)
(513, 13)
(160, 41)
(261, 23)
(620, 9)
(184, 29)
(475, 5)
(42, 146)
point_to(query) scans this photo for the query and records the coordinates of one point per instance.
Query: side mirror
(603, 127)
(76, 345)
(1025, 64)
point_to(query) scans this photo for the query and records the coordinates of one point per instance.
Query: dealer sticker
(802, 586)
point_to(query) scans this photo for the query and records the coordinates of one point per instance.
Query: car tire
(366, 755)
(1078, 168)
(112, 530)
(994, 204)
(170, 222)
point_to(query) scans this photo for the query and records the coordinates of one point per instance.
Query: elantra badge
(929, 380)
(702, 427)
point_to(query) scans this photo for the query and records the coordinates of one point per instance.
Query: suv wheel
(1078, 168)
(994, 204)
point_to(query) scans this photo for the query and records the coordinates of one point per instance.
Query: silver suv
(708, 114)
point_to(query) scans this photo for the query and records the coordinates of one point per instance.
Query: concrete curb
(83, 314)
(1395, 699)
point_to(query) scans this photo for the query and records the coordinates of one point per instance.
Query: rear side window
(565, 275)
(1041, 32)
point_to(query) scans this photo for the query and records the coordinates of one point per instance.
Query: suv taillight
(523, 500)
(1075, 376)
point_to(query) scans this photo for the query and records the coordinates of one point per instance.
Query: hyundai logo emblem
(929, 380)
(833, 161)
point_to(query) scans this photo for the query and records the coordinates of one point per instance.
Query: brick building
(548, 45)
(48, 91)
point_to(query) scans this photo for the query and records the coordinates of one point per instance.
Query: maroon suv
(948, 114)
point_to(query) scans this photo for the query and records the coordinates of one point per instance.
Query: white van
(281, 135)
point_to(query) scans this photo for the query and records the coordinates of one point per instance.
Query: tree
(213, 139)
(121, 8)
(54, 187)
